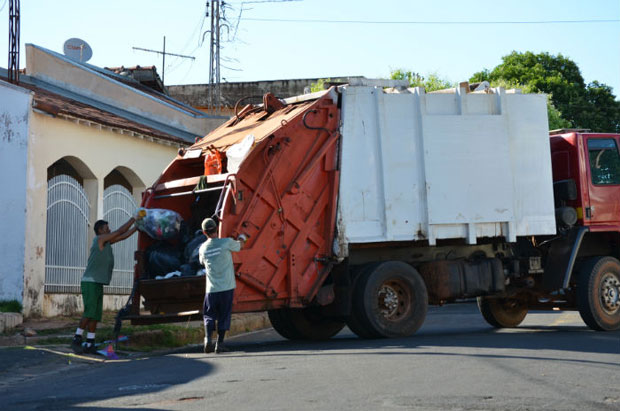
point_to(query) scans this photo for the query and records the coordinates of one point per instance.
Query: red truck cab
(592, 160)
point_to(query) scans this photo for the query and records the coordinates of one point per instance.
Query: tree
(319, 85)
(432, 83)
(592, 106)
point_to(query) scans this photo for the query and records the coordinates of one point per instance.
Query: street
(454, 362)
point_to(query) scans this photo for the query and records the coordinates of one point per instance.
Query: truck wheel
(389, 300)
(304, 324)
(598, 293)
(502, 312)
(282, 324)
(357, 321)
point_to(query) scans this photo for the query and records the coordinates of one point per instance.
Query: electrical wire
(421, 22)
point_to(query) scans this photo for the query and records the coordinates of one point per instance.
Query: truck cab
(583, 261)
(592, 160)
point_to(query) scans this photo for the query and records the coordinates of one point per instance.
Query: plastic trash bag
(162, 259)
(192, 248)
(169, 275)
(238, 152)
(158, 223)
(187, 270)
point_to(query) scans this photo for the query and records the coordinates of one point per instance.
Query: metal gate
(118, 207)
(66, 242)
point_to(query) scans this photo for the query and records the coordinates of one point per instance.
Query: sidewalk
(32, 331)
(24, 357)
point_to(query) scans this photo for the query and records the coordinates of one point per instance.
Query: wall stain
(7, 133)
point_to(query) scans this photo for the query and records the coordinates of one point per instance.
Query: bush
(10, 306)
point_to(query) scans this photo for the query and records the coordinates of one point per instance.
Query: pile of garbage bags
(175, 251)
(158, 223)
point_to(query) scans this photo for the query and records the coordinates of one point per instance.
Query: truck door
(604, 180)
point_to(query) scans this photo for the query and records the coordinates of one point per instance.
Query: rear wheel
(598, 293)
(304, 323)
(282, 324)
(502, 312)
(389, 300)
(357, 321)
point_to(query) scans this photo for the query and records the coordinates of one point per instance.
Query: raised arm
(127, 234)
(116, 235)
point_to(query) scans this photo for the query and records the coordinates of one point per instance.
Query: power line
(267, 1)
(421, 22)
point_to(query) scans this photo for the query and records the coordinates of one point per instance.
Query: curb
(246, 322)
(9, 321)
(240, 324)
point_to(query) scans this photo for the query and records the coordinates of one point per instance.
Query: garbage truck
(365, 203)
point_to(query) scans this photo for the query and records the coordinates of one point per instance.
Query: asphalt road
(455, 362)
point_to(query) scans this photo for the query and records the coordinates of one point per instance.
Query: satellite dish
(78, 50)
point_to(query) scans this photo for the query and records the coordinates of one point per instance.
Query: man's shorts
(218, 307)
(92, 296)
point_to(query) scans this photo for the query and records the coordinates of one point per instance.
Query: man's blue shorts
(218, 307)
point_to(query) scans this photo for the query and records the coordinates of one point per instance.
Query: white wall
(98, 151)
(14, 110)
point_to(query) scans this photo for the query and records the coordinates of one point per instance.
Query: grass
(10, 306)
(142, 338)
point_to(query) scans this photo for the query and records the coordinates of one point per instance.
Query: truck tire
(389, 301)
(304, 324)
(357, 321)
(502, 312)
(281, 323)
(598, 293)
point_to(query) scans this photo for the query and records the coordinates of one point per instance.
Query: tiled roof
(57, 105)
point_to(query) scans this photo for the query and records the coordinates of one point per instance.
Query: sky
(274, 39)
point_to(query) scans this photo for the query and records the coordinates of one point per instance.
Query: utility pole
(215, 95)
(164, 54)
(13, 41)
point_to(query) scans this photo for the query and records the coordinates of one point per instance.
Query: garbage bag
(162, 259)
(187, 270)
(191, 249)
(158, 223)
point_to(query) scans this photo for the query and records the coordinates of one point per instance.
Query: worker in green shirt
(97, 274)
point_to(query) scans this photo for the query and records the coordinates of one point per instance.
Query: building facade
(77, 144)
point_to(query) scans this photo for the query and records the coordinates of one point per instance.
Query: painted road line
(73, 355)
(566, 318)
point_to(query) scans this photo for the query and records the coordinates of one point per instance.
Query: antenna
(77, 50)
(164, 54)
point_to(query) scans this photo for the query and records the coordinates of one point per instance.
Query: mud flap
(561, 259)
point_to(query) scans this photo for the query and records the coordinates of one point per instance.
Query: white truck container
(428, 166)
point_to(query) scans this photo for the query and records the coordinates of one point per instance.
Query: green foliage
(432, 82)
(319, 85)
(144, 338)
(591, 106)
(555, 117)
(10, 306)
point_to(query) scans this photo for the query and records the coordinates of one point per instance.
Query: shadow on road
(440, 344)
(82, 384)
(453, 331)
